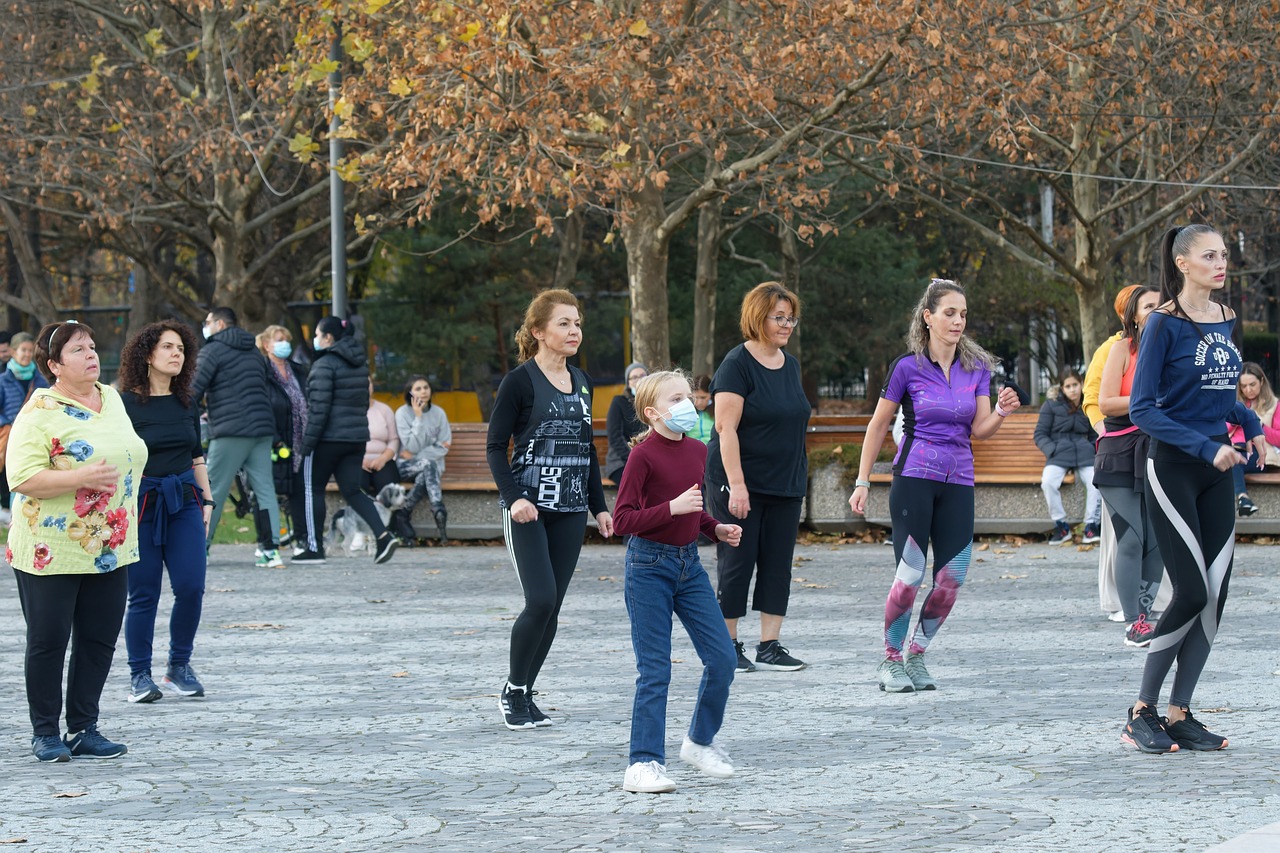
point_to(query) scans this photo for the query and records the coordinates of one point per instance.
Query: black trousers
(340, 460)
(544, 553)
(767, 548)
(374, 481)
(85, 611)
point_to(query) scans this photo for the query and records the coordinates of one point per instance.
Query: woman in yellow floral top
(74, 464)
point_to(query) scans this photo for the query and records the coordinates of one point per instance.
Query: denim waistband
(642, 544)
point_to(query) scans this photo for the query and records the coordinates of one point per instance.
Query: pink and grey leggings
(926, 512)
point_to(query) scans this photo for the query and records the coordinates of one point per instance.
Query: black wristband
(208, 502)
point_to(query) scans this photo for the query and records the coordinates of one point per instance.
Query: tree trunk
(141, 300)
(36, 296)
(647, 251)
(791, 280)
(710, 231)
(570, 233)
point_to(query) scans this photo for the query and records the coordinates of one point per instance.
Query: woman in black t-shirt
(548, 486)
(757, 470)
(174, 504)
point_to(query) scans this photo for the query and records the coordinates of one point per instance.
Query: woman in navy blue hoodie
(1184, 388)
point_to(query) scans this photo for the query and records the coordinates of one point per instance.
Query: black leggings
(340, 460)
(544, 553)
(87, 611)
(1192, 506)
(767, 548)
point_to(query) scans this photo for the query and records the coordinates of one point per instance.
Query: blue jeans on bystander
(662, 580)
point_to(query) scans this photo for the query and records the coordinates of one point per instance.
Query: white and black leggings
(1192, 507)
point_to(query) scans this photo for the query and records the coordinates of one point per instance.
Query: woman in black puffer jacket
(336, 433)
(1066, 439)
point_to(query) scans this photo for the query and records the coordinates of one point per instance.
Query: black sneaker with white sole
(1190, 733)
(514, 705)
(744, 662)
(772, 655)
(540, 719)
(387, 545)
(1146, 730)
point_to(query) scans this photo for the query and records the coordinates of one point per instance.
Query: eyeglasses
(786, 321)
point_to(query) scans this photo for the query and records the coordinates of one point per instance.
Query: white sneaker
(358, 541)
(1116, 616)
(647, 777)
(711, 760)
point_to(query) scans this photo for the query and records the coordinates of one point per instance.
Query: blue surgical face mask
(682, 417)
(282, 349)
(316, 345)
(205, 331)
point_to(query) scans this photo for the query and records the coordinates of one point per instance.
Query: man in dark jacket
(231, 379)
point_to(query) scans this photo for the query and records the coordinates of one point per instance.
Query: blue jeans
(183, 554)
(662, 580)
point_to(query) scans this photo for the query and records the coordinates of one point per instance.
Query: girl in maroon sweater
(660, 506)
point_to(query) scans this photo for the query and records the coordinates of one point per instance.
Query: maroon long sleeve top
(659, 470)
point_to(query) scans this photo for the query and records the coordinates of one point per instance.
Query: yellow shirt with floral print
(88, 531)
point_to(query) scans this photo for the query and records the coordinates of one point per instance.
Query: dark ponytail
(1177, 241)
(336, 327)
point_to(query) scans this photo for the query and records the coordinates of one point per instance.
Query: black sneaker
(1147, 731)
(49, 748)
(387, 545)
(143, 689)
(772, 655)
(1190, 733)
(182, 679)
(1091, 535)
(514, 705)
(744, 663)
(308, 558)
(540, 719)
(1061, 534)
(91, 744)
(1245, 507)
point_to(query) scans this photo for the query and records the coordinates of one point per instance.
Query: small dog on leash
(349, 532)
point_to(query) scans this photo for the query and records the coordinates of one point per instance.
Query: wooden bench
(1009, 457)
(466, 468)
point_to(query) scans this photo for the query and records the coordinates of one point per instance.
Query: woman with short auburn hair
(757, 471)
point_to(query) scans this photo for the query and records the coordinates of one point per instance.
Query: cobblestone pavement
(353, 707)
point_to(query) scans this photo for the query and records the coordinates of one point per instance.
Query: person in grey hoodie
(425, 438)
(231, 378)
(334, 440)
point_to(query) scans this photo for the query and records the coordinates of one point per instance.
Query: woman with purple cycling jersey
(943, 385)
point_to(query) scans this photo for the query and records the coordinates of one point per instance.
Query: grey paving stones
(353, 707)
